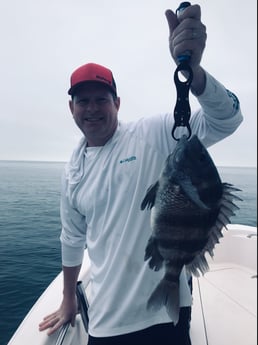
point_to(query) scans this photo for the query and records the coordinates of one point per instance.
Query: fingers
(193, 11)
(64, 315)
(189, 20)
(187, 33)
(55, 326)
(172, 21)
(46, 322)
(195, 32)
(53, 322)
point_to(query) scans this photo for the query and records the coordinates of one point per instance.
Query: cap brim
(73, 89)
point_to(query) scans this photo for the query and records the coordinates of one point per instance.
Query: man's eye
(82, 102)
(101, 100)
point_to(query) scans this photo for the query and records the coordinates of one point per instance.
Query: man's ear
(71, 105)
(117, 103)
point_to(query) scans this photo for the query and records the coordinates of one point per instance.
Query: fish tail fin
(166, 294)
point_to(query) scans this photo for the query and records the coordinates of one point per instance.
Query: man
(104, 184)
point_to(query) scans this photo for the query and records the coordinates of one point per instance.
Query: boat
(224, 299)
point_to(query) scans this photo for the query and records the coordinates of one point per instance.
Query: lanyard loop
(182, 111)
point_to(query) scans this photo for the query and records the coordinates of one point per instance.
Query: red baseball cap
(92, 72)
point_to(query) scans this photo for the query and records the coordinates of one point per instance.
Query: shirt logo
(235, 99)
(127, 160)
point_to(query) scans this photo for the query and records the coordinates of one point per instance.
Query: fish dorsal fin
(227, 208)
(149, 199)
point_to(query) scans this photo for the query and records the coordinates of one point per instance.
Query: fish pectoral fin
(149, 199)
(166, 294)
(152, 253)
(192, 192)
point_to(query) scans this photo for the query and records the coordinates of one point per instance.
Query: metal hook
(174, 129)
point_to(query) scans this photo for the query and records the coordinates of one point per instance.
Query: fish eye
(177, 159)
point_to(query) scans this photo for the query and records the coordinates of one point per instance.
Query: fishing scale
(182, 111)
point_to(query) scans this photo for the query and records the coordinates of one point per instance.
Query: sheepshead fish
(190, 206)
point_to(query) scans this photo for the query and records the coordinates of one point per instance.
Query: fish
(190, 206)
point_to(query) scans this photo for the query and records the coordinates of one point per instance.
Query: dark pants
(163, 334)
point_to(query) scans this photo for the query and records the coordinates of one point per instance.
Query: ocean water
(30, 228)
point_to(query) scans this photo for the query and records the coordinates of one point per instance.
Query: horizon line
(61, 161)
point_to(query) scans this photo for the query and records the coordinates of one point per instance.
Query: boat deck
(225, 306)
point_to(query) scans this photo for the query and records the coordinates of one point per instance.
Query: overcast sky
(43, 41)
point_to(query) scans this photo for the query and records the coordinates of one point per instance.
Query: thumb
(172, 21)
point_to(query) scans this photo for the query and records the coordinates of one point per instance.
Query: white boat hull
(224, 299)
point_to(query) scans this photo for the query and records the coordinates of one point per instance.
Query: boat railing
(82, 309)
(62, 334)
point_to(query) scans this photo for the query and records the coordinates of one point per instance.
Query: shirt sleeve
(218, 117)
(74, 228)
(220, 114)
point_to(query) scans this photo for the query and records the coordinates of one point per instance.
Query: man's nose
(91, 106)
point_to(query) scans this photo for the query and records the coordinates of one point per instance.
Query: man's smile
(93, 119)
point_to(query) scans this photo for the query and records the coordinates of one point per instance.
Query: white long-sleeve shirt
(102, 190)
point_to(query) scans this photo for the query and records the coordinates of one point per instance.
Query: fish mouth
(195, 141)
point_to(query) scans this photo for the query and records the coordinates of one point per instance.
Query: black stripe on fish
(187, 245)
(188, 220)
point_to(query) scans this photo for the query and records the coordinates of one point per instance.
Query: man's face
(95, 112)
